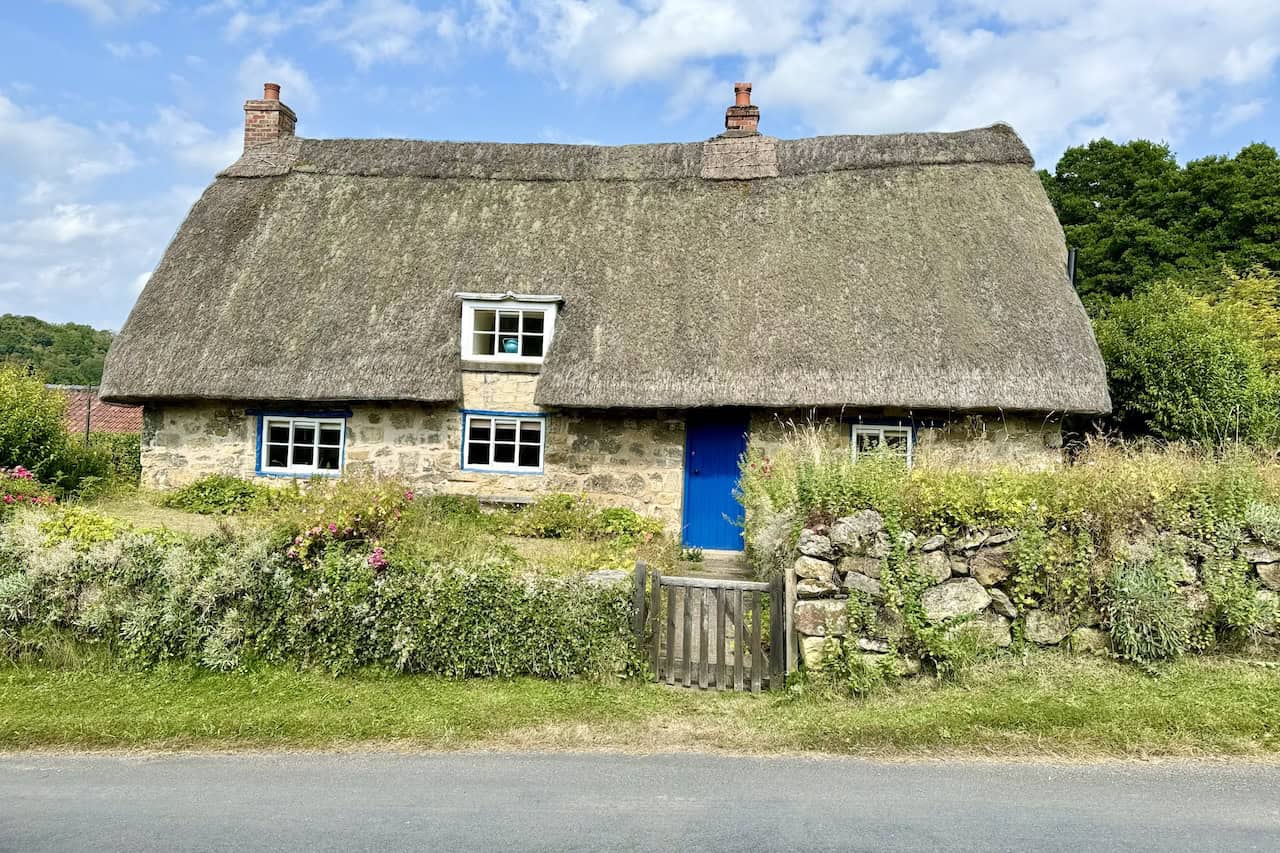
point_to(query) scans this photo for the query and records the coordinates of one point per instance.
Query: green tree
(1184, 367)
(68, 354)
(1135, 215)
(32, 433)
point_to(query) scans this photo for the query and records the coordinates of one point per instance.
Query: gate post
(637, 602)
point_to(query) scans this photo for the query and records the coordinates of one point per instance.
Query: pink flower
(292, 553)
(378, 559)
(408, 495)
(297, 540)
(333, 528)
(8, 499)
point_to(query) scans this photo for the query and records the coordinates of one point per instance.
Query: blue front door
(714, 442)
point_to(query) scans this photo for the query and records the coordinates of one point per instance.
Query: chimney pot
(271, 91)
(742, 94)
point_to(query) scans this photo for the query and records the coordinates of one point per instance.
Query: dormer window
(506, 327)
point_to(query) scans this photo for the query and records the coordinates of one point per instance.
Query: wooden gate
(710, 633)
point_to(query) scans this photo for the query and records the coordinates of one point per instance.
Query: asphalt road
(603, 802)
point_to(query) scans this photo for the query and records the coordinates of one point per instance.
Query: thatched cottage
(503, 320)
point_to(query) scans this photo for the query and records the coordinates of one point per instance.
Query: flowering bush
(351, 512)
(18, 486)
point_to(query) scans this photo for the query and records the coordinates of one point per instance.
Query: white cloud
(85, 261)
(107, 11)
(193, 144)
(54, 154)
(1059, 74)
(386, 30)
(1235, 114)
(132, 50)
(295, 85)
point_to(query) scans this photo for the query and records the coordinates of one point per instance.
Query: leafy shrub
(123, 452)
(225, 601)
(220, 494)
(32, 433)
(1183, 368)
(555, 517)
(1146, 616)
(618, 521)
(81, 527)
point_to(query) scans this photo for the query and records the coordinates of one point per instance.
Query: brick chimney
(268, 119)
(742, 116)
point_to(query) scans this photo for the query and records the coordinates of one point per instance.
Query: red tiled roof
(103, 417)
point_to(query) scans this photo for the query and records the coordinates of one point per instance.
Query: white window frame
(883, 431)
(293, 421)
(546, 306)
(516, 418)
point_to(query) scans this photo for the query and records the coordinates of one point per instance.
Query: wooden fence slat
(777, 631)
(655, 611)
(721, 667)
(687, 648)
(637, 602)
(715, 583)
(704, 646)
(738, 639)
(757, 652)
(671, 635)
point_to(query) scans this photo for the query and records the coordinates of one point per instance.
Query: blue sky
(114, 114)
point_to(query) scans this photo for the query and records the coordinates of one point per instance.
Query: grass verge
(1049, 705)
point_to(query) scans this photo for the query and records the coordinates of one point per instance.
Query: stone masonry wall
(969, 577)
(621, 459)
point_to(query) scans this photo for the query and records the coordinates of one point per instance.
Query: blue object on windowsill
(510, 346)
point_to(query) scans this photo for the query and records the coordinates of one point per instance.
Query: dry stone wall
(838, 572)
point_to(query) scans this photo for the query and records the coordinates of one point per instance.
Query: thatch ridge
(922, 271)
(502, 161)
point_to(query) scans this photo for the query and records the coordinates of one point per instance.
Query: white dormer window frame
(494, 323)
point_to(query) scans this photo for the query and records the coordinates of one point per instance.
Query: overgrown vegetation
(334, 575)
(1105, 534)
(222, 494)
(33, 435)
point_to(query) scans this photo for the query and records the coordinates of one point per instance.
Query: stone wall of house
(969, 579)
(973, 440)
(621, 459)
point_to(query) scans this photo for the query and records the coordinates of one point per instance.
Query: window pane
(531, 346)
(484, 320)
(506, 431)
(529, 456)
(303, 454)
(509, 322)
(479, 429)
(868, 441)
(504, 454)
(277, 433)
(329, 458)
(533, 322)
(277, 456)
(477, 454)
(530, 432)
(304, 433)
(330, 436)
(482, 344)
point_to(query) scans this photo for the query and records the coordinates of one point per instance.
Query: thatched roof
(915, 270)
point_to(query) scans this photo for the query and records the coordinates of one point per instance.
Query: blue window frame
(301, 444)
(503, 442)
